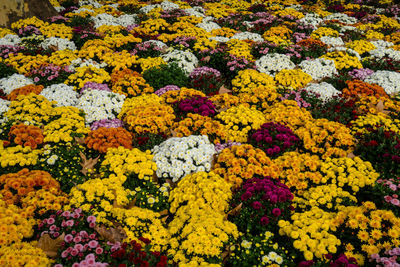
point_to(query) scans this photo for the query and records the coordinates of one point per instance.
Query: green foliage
(167, 74)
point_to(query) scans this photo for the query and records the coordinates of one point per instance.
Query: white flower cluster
(59, 43)
(208, 26)
(9, 84)
(325, 91)
(341, 17)
(83, 9)
(104, 19)
(195, 11)
(146, 9)
(62, 93)
(10, 39)
(4, 105)
(92, 3)
(179, 156)
(389, 80)
(185, 59)
(349, 28)
(248, 36)
(157, 43)
(81, 62)
(167, 5)
(319, 68)
(381, 43)
(100, 105)
(219, 39)
(380, 53)
(332, 41)
(273, 63)
(126, 20)
(311, 19)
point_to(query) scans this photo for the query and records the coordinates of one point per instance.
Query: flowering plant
(205, 79)
(264, 201)
(23, 254)
(167, 74)
(198, 105)
(179, 156)
(49, 74)
(26, 135)
(25, 90)
(274, 139)
(103, 138)
(129, 83)
(389, 257)
(388, 189)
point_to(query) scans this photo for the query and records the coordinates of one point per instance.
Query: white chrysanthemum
(195, 11)
(332, 41)
(104, 19)
(126, 20)
(83, 9)
(4, 106)
(248, 36)
(180, 156)
(325, 90)
(381, 43)
(10, 39)
(62, 93)
(167, 5)
(273, 63)
(82, 62)
(380, 53)
(9, 84)
(319, 68)
(389, 80)
(146, 9)
(341, 17)
(208, 26)
(219, 39)
(311, 19)
(100, 105)
(185, 59)
(59, 43)
(93, 3)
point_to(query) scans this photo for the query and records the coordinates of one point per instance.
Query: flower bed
(201, 133)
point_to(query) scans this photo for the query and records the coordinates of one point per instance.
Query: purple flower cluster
(131, 27)
(167, 88)
(360, 74)
(206, 79)
(58, 18)
(390, 261)
(186, 41)
(220, 147)
(6, 50)
(147, 49)
(114, 123)
(239, 63)
(95, 86)
(50, 74)
(197, 104)
(297, 96)
(274, 139)
(265, 201)
(171, 15)
(29, 30)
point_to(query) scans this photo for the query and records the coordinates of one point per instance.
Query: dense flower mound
(201, 133)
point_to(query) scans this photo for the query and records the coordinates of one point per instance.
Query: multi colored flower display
(201, 133)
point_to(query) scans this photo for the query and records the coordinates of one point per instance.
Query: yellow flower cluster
(119, 60)
(343, 60)
(5, 31)
(350, 173)
(373, 35)
(243, 162)
(14, 225)
(293, 79)
(68, 122)
(18, 156)
(361, 46)
(100, 197)
(279, 35)
(195, 124)
(150, 119)
(83, 75)
(198, 234)
(324, 196)
(326, 138)
(224, 31)
(376, 230)
(153, 26)
(311, 231)
(324, 31)
(23, 254)
(33, 21)
(375, 121)
(118, 40)
(150, 62)
(129, 83)
(248, 80)
(139, 101)
(109, 30)
(179, 95)
(289, 12)
(368, 104)
(94, 48)
(261, 98)
(240, 48)
(123, 161)
(138, 222)
(201, 190)
(25, 63)
(218, 10)
(57, 30)
(299, 171)
(43, 200)
(239, 120)
(63, 57)
(288, 113)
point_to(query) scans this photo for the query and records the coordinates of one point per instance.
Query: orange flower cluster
(26, 135)
(243, 162)
(43, 200)
(195, 124)
(357, 88)
(103, 138)
(224, 101)
(129, 83)
(15, 186)
(310, 43)
(25, 90)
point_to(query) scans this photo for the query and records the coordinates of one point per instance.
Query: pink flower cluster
(167, 88)
(387, 261)
(89, 261)
(394, 185)
(114, 123)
